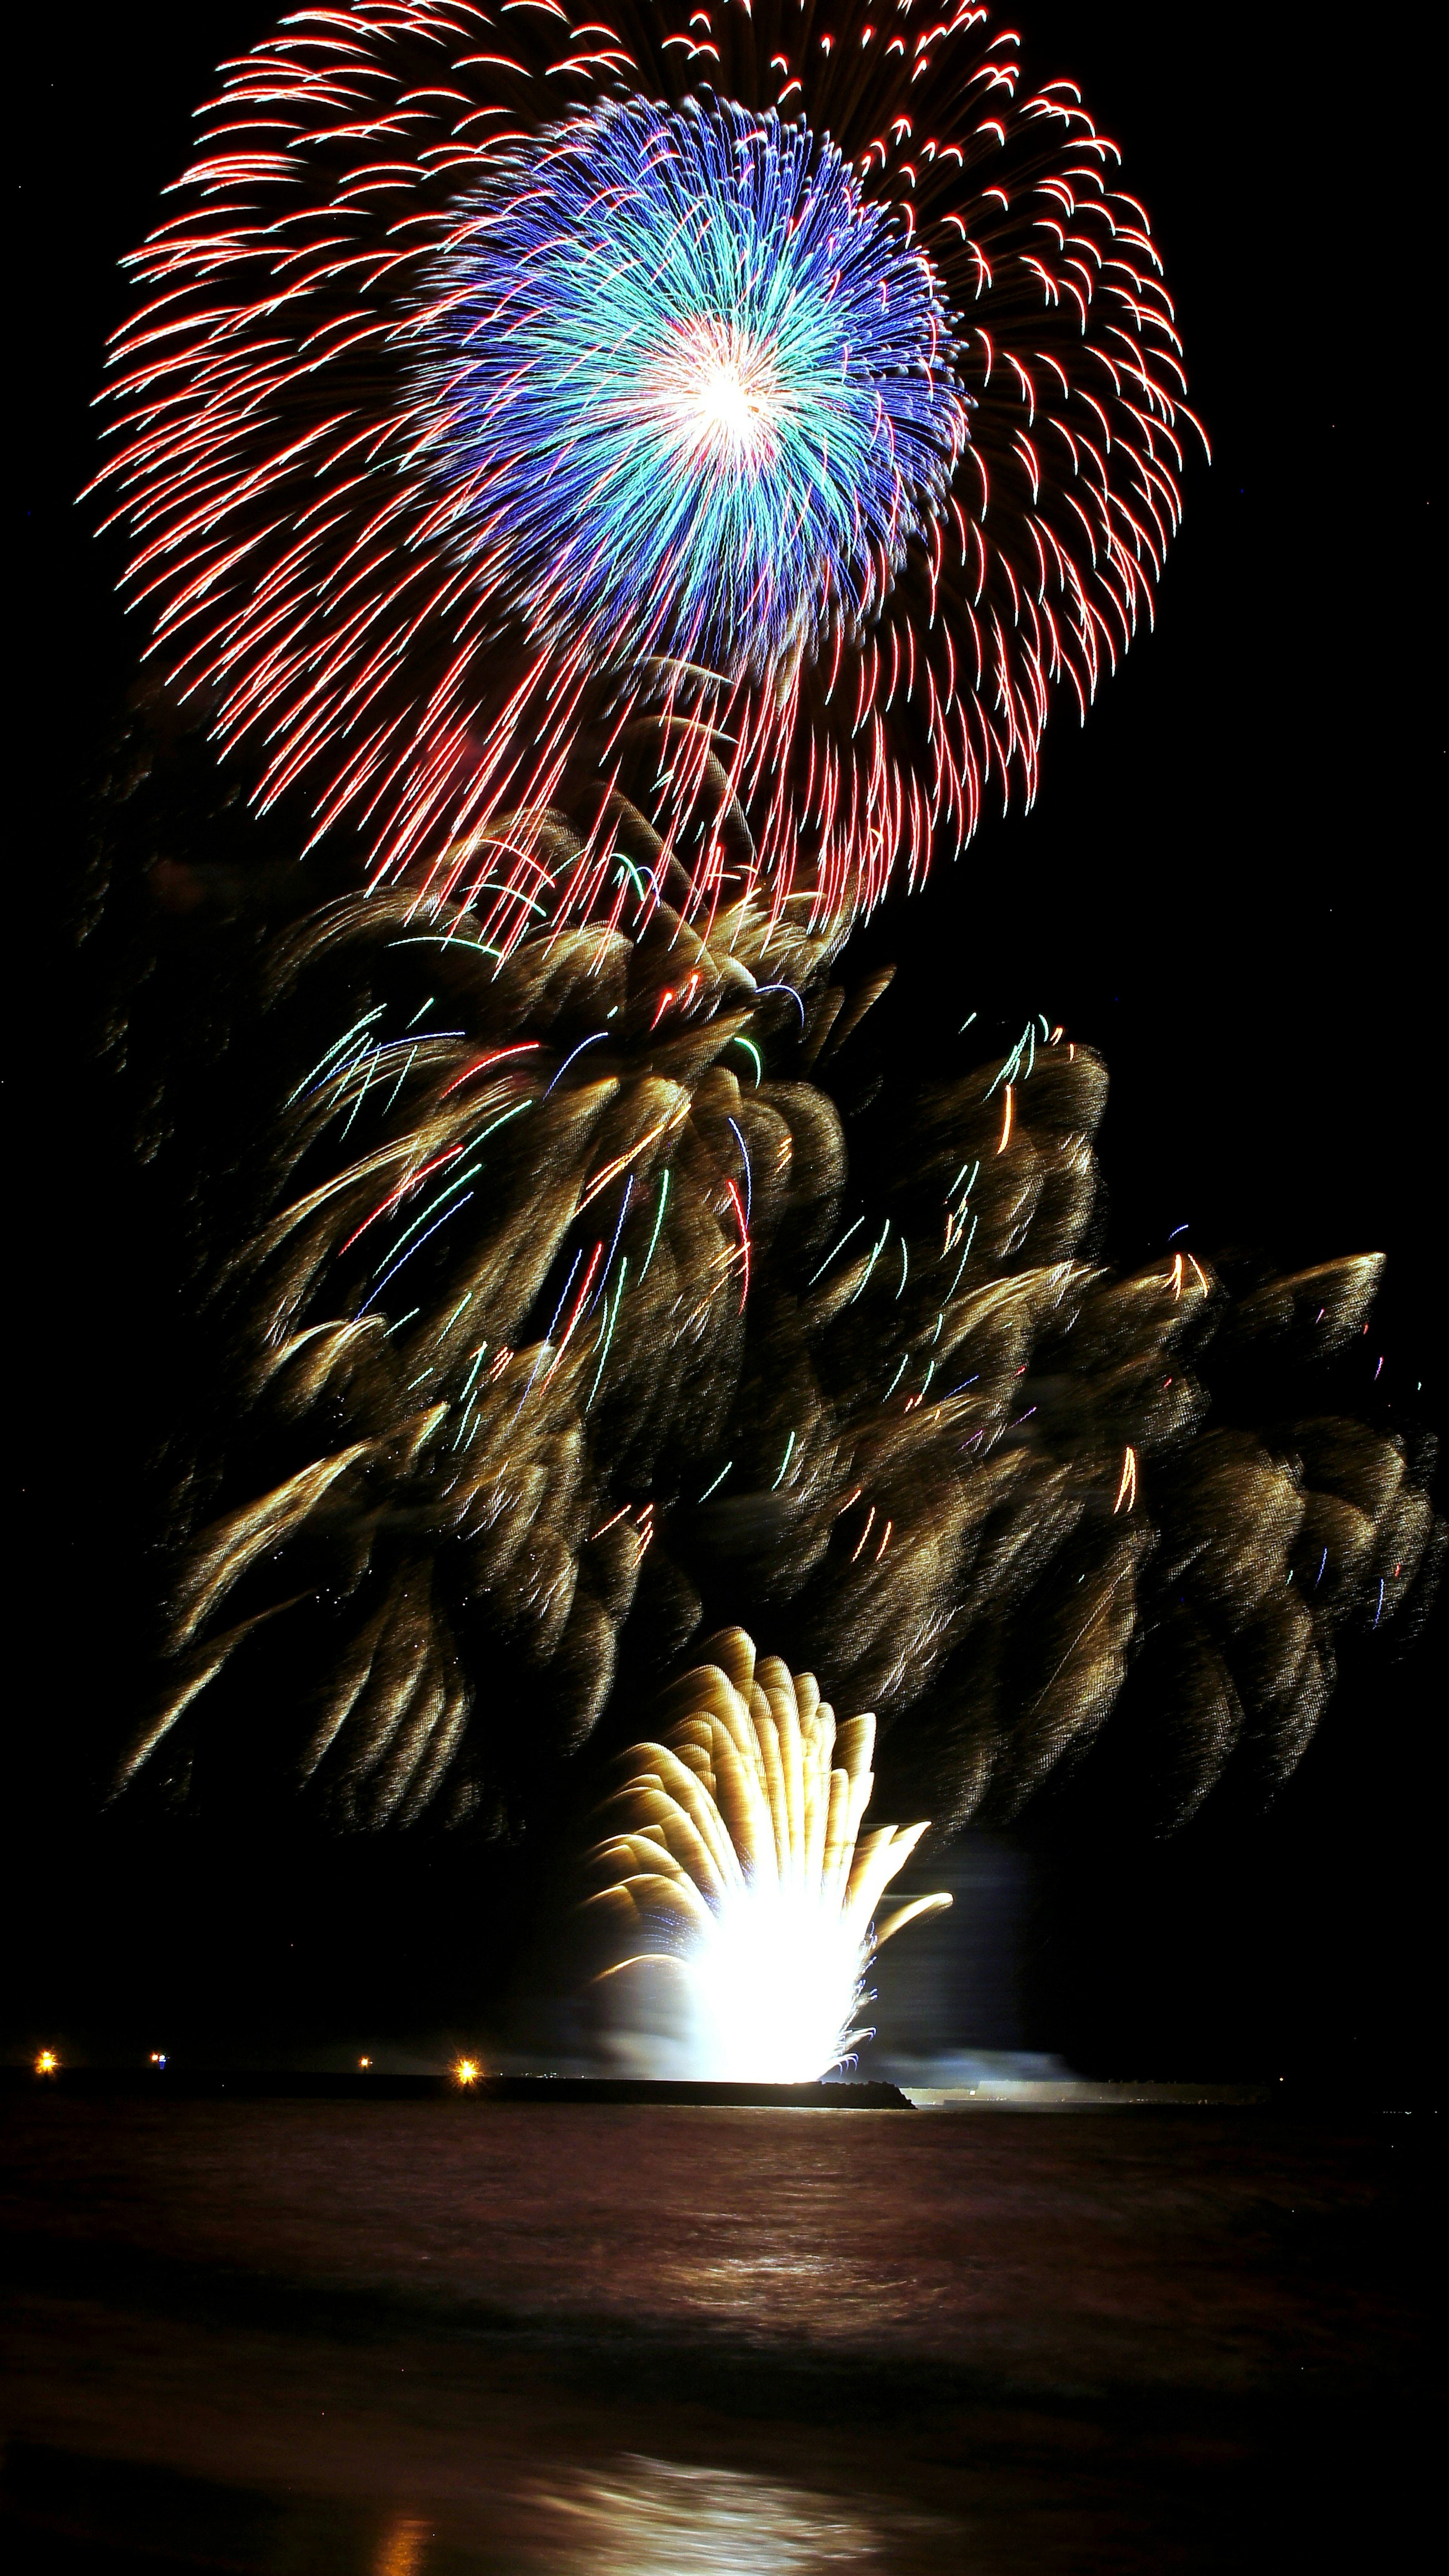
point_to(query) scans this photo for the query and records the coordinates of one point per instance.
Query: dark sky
(1226, 886)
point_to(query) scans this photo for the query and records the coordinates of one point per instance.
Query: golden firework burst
(739, 1872)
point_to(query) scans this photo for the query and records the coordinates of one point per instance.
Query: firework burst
(648, 481)
(739, 461)
(690, 387)
(737, 1869)
(565, 1324)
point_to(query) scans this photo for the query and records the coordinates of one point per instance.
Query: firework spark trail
(781, 502)
(737, 1878)
(935, 1440)
(688, 386)
(559, 1310)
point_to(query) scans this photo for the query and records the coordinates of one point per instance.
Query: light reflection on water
(402, 2549)
(620, 2514)
(300, 2339)
(645, 2517)
(653, 2518)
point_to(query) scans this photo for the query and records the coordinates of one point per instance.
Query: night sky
(1226, 886)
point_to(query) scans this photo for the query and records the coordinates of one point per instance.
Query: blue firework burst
(684, 388)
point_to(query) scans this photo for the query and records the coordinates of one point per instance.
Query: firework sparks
(648, 525)
(515, 1407)
(740, 463)
(739, 1862)
(691, 393)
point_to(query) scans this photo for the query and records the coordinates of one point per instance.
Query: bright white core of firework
(772, 1988)
(741, 1881)
(720, 391)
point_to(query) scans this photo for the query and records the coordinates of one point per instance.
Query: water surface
(456, 2339)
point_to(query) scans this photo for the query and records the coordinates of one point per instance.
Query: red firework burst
(295, 548)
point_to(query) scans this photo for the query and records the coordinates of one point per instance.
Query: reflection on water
(402, 2550)
(653, 2518)
(460, 2339)
(624, 2516)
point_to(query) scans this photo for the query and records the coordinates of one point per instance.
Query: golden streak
(736, 1861)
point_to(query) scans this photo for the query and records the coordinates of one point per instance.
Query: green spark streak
(1008, 1071)
(372, 1062)
(956, 1282)
(719, 1480)
(452, 1319)
(840, 1247)
(417, 1015)
(487, 885)
(446, 939)
(737, 1040)
(900, 1292)
(895, 1381)
(870, 1265)
(469, 1401)
(402, 1077)
(477, 1364)
(515, 1112)
(609, 1335)
(454, 1185)
(658, 1221)
(335, 1050)
(784, 1463)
